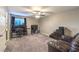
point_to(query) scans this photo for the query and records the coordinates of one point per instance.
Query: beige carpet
(30, 43)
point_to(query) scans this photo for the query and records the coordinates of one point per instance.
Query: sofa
(63, 42)
(58, 46)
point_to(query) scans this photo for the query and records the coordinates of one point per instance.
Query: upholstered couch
(64, 43)
(58, 46)
(64, 46)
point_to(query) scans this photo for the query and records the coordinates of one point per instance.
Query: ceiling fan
(39, 11)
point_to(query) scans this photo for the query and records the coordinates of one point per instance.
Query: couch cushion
(67, 39)
(55, 35)
(60, 45)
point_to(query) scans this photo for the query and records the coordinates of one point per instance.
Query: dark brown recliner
(75, 44)
(64, 46)
(58, 46)
(71, 43)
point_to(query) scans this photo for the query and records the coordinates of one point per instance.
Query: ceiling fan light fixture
(37, 16)
(34, 12)
(43, 13)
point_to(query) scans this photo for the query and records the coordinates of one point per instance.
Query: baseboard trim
(45, 34)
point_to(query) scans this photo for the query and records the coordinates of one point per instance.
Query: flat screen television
(19, 22)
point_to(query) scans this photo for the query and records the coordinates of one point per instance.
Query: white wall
(69, 19)
(3, 19)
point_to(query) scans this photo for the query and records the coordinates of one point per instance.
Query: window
(19, 21)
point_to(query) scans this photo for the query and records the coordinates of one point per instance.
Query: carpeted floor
(30, 43)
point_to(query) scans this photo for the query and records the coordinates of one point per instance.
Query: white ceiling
(48, 9)
(57, 9)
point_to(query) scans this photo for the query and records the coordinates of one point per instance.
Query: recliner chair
(64, 46)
